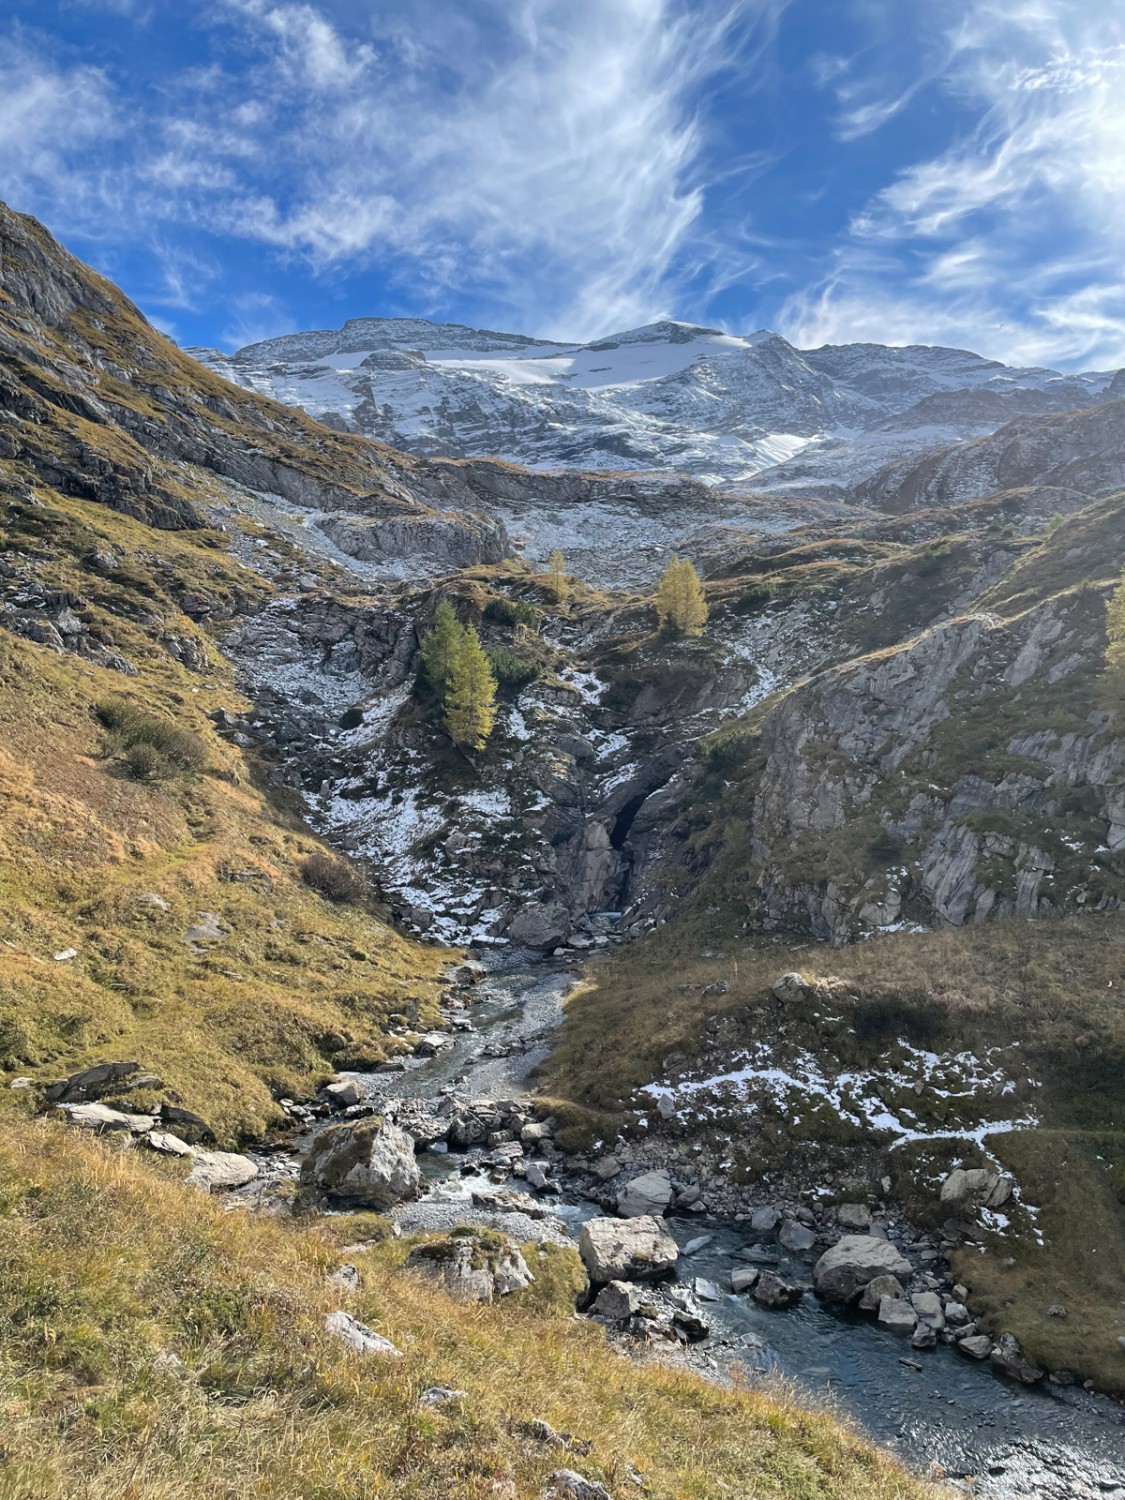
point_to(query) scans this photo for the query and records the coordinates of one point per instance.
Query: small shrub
(333, 878)
(510, 611)
(886, 848)
(933, 560)
(756, 596)
(151, 749)
(145, 763)
(511, 670)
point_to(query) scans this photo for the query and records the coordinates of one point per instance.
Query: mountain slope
(668, 395)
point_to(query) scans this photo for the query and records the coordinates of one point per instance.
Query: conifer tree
(441, 648)
(1115, 650)
(679, 602)
(470, 699)
(556, 573)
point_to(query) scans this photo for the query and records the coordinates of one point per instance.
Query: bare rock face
(640, 1249)
(841, 1273)
(367, 1161)
(474, 1266)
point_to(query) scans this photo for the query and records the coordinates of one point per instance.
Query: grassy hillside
(153, 1346)
(299, 986)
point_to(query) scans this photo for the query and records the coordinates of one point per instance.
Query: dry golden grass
(109, 1269)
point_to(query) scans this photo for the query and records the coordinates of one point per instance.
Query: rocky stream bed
(943, 1413)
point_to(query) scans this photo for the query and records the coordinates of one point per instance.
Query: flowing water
(936, 1408)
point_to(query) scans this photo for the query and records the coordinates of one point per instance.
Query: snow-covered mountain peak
(667, 395)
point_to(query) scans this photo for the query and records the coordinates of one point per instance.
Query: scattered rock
(617, 1301)
(169, 1144)
(645, 1196)
(22, 1083)
(706, 1290)
(639, 1249)
(212, 1170)
(928, 1307)
(897, 1315)
(796, 1237)
(742, 1278)
(608, 1167)
(842, 1272)
(771, 1291)
(65, 955)
(207, 928)
(876, 1290)
(90, 1083)
(975, 1187)
(365, 1161)
(358, 1336)
(474, 1266)
(1009, 1358)
(693, 1247)
(976, 1346)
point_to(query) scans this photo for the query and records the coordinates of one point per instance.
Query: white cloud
(1012, 239)
(543, 155)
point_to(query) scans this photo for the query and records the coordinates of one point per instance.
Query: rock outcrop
(639, 1249)
(842, 1272)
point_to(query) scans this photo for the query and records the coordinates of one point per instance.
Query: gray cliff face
(935, 805)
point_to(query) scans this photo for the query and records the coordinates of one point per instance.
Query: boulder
(90, 1083)
(608, 1167)
(169, 1144)
(365, 1161)
(855, 1217)
(101, 1117)
(977, 1346)
(842, 1272)
(1009, 1358)
(796, 1237)
(771, 1291)
(540, 925)
(765, 1220)
(975, 1187)
(897, 1315)
(344, 1092)
(706, 1290)
(645, 1196)
(212, 1170)
(742, 1278)
(638, 1249)
(956, 1314)
(567, 1485)
(358, 1336)
(928, 1307)
(617, 1301)
(875, 1291)
(479, 1266)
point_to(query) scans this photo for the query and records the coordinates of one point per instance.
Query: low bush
(150, 748)
(333, 878)
(511, 670)
(503, 611)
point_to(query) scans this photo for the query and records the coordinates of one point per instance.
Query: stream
(932, 1408)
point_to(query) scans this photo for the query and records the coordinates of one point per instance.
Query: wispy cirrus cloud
(1012, 239)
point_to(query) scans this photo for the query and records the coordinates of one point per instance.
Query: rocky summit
(519, 854)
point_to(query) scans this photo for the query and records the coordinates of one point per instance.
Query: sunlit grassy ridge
(299, 986)
(153, 1345)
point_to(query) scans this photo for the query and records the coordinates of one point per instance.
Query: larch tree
(470, 700)
(1115, 650)
(679, 601)
(442, 648)
(557, 576)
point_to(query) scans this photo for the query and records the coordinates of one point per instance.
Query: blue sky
(933, 171)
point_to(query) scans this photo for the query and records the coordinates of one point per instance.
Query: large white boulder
(639, 1249)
